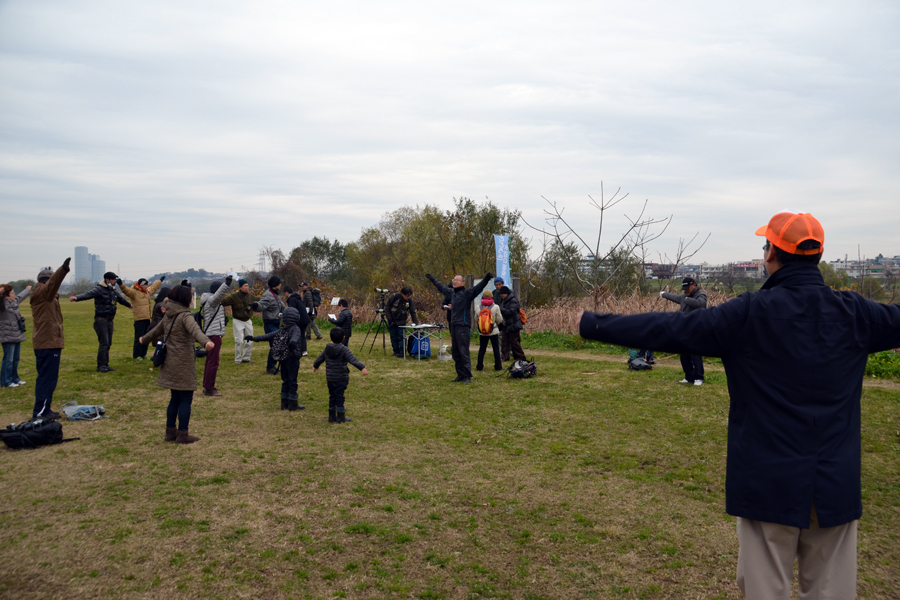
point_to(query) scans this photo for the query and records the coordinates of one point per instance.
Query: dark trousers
(495, 346)
(140, 329)
(290, 368)
(180, 406)
(346, 341)
(693, 366)
(336, 391)
(212, 363)
(459, 336)
(104, 329)
(510, 341)
(269, 326)
(396, 338)
(47, 376)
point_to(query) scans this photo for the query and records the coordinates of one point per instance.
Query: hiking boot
(458, 378)
(292, 403)
(342, 417)
(318, 337)
(212, 392)
(104, 369)
(271, 371)
(246, 361)
(466, 380)
(183, 437)
(170, 434)
(284, 404)
(49, 415)
(479, 368)
(332, 416)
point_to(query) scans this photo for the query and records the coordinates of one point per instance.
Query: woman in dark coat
(178, 331)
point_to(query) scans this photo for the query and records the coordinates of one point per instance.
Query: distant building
(88, 266)
(82, 263)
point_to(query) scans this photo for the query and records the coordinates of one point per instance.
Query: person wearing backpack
(271, 307)
(214, 327)
(489, 321)
(295, 300)
(309, 300)
(400, 307)
(286, 343)
(178, 331)
(105, 297)
(510, 337)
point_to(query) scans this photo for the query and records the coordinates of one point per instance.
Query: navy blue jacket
(795, 354)
(461, 299)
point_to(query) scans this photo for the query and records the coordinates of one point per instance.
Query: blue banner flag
(501, 244)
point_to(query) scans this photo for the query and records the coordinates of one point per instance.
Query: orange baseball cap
(787, 230)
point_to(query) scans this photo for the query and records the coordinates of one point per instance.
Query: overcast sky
(168, 135)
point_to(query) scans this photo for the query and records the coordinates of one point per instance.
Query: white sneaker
(305, 353)
(684, 381)
(20, 382)
(698, 382)
(13, 385)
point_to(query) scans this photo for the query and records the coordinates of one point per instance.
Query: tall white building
(88, 266)
(82, 263)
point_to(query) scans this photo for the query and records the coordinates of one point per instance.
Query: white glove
(661, 294)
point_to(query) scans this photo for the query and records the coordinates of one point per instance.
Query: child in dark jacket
(344, 321)
(336, 356)
(290, 366)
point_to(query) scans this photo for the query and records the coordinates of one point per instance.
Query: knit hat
(488, 294)
(109, 275)
(181, 294)
(789, 230)
(142, 281)
(214, 286)
(498, 280)
(241, 282)
(505, 290)
(274, 281)
(44, 275)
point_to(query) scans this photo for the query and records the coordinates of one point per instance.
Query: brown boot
(182, 437)
(170, 434)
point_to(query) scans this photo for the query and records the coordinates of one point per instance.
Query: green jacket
(240, 304)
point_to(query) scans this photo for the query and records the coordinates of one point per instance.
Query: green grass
(588, 481)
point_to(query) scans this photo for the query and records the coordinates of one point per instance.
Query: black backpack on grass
(33, 434)
(522, 369)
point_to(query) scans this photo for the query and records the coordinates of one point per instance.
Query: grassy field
(589, 481)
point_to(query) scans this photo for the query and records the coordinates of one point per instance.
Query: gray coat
(689, 303)
(178, 372)
(9, 320)
(211, 302)
(271, 306)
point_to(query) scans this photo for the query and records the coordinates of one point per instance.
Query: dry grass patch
(572, 485)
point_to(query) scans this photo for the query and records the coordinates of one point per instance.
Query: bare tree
(596, 274)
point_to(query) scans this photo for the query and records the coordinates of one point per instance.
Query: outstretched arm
(440, 286)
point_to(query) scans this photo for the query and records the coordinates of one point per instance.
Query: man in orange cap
(795, 353)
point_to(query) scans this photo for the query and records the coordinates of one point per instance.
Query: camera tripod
(381, 328)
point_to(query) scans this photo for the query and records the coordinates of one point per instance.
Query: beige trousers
(826, 560)
(242, 349)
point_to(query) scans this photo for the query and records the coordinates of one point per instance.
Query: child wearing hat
(336, 356)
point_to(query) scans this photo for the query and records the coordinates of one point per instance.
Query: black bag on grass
(522, 369)
(33, 434)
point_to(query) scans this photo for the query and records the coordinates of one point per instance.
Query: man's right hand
(428, 276)
(662, 294)
(73, 299)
